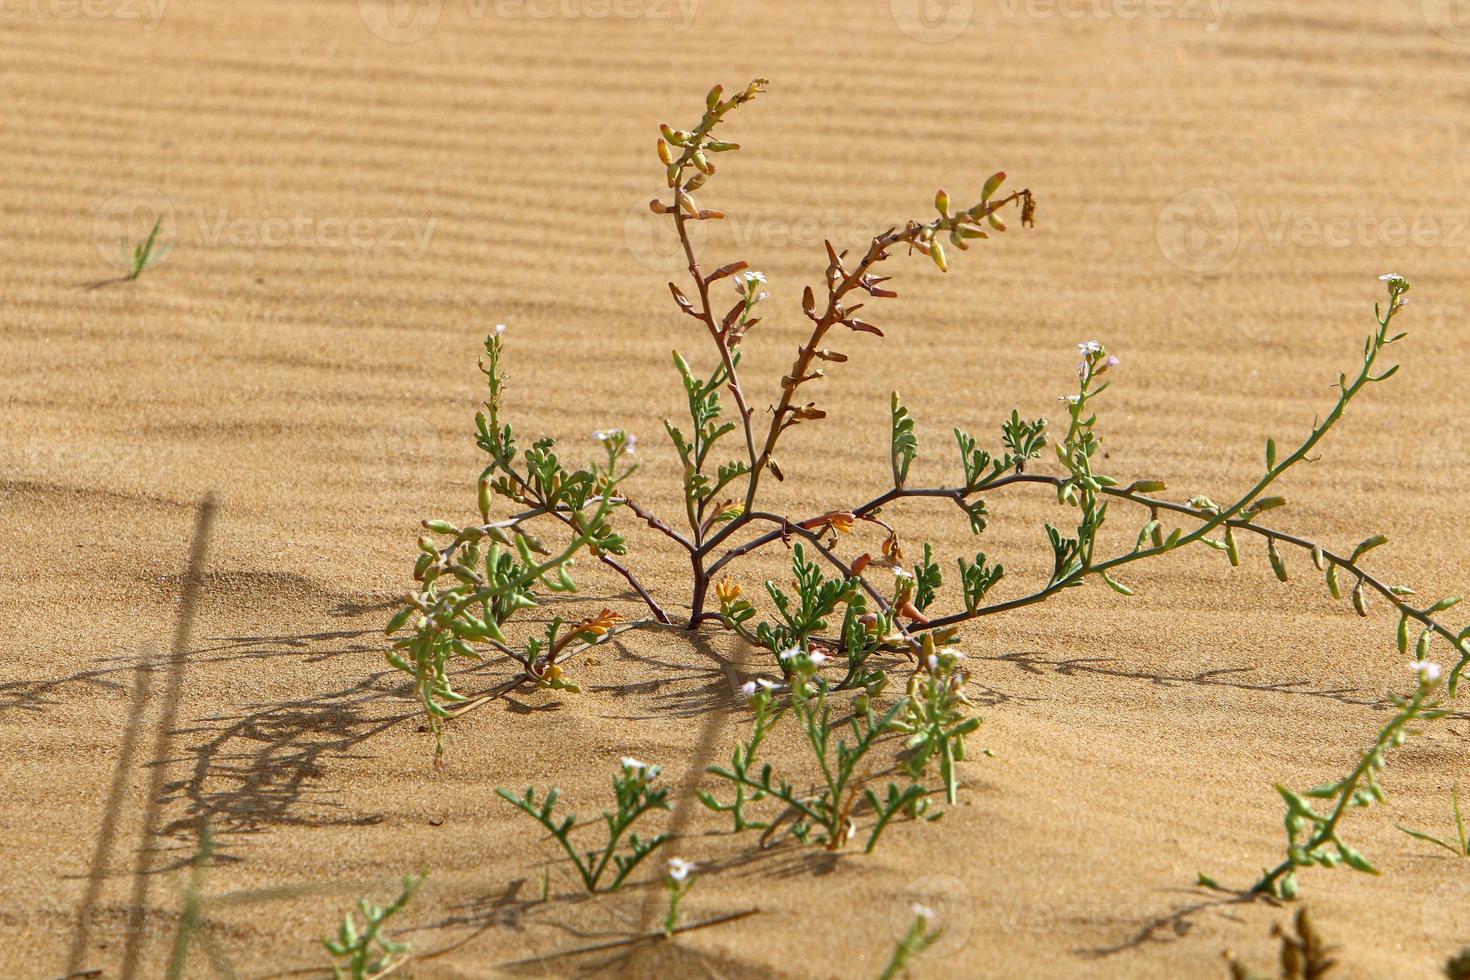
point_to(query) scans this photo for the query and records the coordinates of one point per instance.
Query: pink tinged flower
(748, 688)
(1427, 670)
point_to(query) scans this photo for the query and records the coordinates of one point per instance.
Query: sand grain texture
(323, 390)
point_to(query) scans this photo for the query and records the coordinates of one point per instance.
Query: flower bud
(936, 252)
(992, 185)
(664, 154)
(941, 202)
(713, 98)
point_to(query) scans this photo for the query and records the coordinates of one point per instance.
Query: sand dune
(353, 213)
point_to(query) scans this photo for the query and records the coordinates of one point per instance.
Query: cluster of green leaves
(936, 720)
(634, 795)
(1313, 837)
(473, 579)
(705, 414)
(364, 952)
(803, 616)
(825, 813)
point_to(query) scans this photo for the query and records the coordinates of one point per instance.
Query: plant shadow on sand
(270, 764)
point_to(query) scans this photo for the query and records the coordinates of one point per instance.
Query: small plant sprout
(635, 796)
(824, 815)
(1313, 837)
(1304, 955)
(935, 719)
(918, 938)
(1461, 844)
(148, 253)
(364, 952)
(678, 879)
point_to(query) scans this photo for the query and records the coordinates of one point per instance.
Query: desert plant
(1461, 844)
(634, 794)
(678, 879)
(935, 719)
(850, 614)
(917, 938)
(1304, 956)
(1313, 838)
(147, 253)
(364, 952)
(823, 815)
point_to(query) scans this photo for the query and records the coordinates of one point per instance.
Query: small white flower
(1090, 347)
(600, 436)
(679, 869)
(922, 911)
(932, 663)
(953, 652)
(755, 277)
(632, 444)
(817, 658)
(899, 572)
(766, 683)
(786, 655)
(500, 330)
(748, 688)
(633, 765)
(1112, 360)
(1428, 671)
(1070, 399)
(1392, 277)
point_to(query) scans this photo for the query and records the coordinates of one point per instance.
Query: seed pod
(1277, 565)
(664, 154)
(673, 174)
(995, 222)
(713, 99)
(426, 545)
(702, 162)
(1332, 585)
(992, 185)
(1421, 649)
(936, 252)
(1232, 548)
(670, 135)
(1360, 600)
(441, 527)
(1318, 558)
(1404, 633)
(941, 202)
